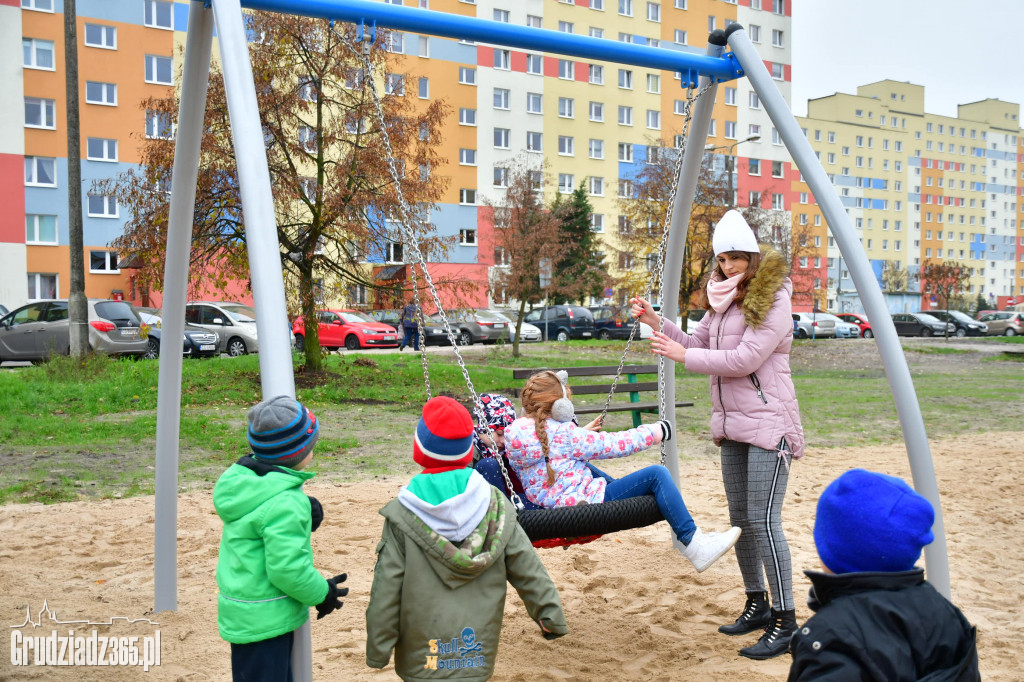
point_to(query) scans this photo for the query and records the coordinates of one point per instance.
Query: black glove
(332, 602)
(316, 511)
(666, 430)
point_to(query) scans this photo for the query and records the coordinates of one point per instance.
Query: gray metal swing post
(889, 347)
(693, 156)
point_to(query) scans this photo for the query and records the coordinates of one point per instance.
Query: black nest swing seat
(563, 526)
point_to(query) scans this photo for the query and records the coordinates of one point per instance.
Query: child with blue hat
(877, 618)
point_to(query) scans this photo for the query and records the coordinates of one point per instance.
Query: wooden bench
(630, 385)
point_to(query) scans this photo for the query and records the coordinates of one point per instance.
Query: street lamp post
(730, 162)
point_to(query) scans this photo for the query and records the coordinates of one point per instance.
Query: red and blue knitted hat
(282, 431)
(444, 436)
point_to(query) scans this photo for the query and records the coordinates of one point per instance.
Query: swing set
(700, 74)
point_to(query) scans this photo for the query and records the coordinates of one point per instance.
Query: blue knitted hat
(870, 522)
(282, 431)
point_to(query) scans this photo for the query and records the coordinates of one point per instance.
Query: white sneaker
(706, 548)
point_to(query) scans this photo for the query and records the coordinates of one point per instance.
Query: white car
(531, 333)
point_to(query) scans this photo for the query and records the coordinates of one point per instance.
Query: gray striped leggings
(755, 485)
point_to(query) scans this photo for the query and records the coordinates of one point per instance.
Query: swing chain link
(418, 258)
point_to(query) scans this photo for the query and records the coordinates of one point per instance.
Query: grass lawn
(88, 429)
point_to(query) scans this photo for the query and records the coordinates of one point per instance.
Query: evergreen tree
(579, 270)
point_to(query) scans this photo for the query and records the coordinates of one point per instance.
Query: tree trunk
(519, 328)
(311, 346)
(78, 307)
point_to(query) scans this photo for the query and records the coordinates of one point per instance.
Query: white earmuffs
(563, 410)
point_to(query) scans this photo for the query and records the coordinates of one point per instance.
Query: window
(467, 237)
(625, 261)
(626, 152)
(654, 119)
(597, 111)
(625, 189)
(503, 59)
(467, 157)
(777, 169)
(467, 76)
(596, 32)
(467, 196)
(501, 256)
(97, 35)
(566, 69)
(597, 187)
(501, 98)
(394, 84)
(778, 202)
(711, 23)
(158, 14)
(595, 74)
(776, 138)
(778, 38)
(653, 11)
(534, 142)
(500, 177)
(102, 206)
(394, 42)
(596, 149)
(625, 115)
(755, 102)
(754, 31)
(534, 103)
(566, 145)
(41, 229)
(467, 117)
(158, 70)
(159, 125)
(679, 37)
(40, 171)
(778, 71)
(534, 22)
(534, 64)
(754, 199)
(423, 46)
(653, 83)
(597, 222)
(423, 88)
(41, 285)
(40, 113)
(754, 129)
(308, 88)
(99, 149)
(754, 167)
(566, 107)
(307, 139)
(394, 252)
(566, 183)
(566, 27)
(37, 54)
(501, 15)
(38, 5)
(101, 93)
(679, 4)
(626, 8)
(103, 261)
(502, 138)
(730, 130)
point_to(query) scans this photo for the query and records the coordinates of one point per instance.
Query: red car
(859, 319)
(349, 328)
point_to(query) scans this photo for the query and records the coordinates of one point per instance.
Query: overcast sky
(959, 51)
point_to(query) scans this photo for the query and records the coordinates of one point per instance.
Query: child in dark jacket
(450, 545)
(877, 618)
(265, 576)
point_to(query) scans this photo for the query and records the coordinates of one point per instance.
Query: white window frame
(730, 130)
(502, 139)
(778, 37)
(106, 143)
(467, 116)
(596, 186)
(566, 145)
(503, 60)
(625, 115)
(566, 183)
(105, 32)
(595, 74)
(654, 83)
(501, 98)
(654, 119)
(423, 87)
(626, 8)
(567, 69)
(625, 79)
(153, 62)
(534, 142)
(31, 60)
(107, 270)
(566, 107)
(107, 201)
(597, 222)
(596, 112)
(47, 112)
(31, 176)
(423, 46)
(626, 152)
(467, 237)
(467, 76)
(654, 12)
(535, 64)
(106, 90)
(467, 157)
(595, 148)
(36, 286)
(153, 119)
(534, 103)
(38, 5)
(151, 16)
(34, 218)
(679, 37)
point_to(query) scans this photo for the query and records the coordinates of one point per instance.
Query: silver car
(41, 329)
(814, 325)
(235, 322)
(530, 332)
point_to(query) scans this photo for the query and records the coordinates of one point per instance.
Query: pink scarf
(722, 293)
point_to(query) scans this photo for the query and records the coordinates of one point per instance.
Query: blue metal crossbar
(691, 66)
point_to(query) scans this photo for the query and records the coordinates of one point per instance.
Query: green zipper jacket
(439, 604)
(265, 573)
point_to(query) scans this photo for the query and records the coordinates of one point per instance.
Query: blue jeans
(656, 480)
(412, 336)
(269, 660)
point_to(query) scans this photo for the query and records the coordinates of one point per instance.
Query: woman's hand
(595, 425)
(662, 345)
(644, 311)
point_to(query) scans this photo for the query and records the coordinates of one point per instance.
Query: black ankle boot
(756, 615)
(775, 640)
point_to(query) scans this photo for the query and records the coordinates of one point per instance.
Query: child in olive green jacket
(265, 576)
(450, 546)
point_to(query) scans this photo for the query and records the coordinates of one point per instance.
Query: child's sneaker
(706, 548)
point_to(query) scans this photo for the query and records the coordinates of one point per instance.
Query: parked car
(1006, 323)
(814, 325)
(617, 322)
(349, 328)
(469, 326)
(390, 317)
(844, 330)
(197, 342)
(921, 324)
(693, 319)
(563, 322)
(965, 326)
(41, 329)
(859, 319)
(982, 313)
(530, 332)
(235, 323)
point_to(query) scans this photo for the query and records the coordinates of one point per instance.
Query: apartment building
(919, 188)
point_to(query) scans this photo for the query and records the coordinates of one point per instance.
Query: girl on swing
(550, 454)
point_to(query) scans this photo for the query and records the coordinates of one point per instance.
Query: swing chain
(418, 257)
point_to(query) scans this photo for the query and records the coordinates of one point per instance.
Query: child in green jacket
(265, 576)
(450, 546)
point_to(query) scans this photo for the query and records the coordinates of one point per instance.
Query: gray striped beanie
(282, 431)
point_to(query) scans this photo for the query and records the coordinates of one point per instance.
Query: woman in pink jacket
(743, 344)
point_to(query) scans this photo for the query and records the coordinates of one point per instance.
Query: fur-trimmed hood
(772, 274)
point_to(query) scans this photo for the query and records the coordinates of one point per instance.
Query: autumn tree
(335, 199)
(527, 239)
(947, 280)
(579, 271)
